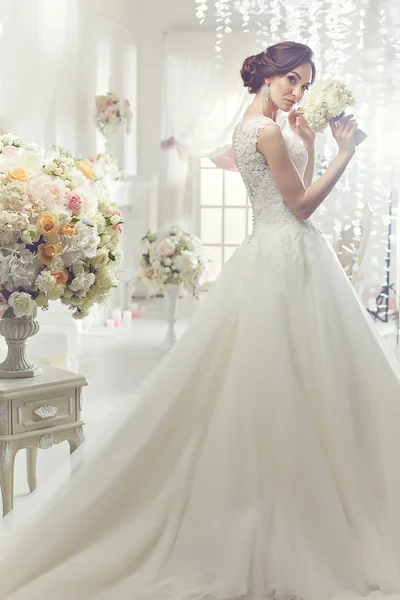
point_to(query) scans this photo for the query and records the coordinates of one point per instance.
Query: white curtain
(202, 104)
(33, 42)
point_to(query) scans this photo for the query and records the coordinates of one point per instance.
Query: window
(224, 214)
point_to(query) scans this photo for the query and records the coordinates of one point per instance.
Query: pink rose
(112, 111)
(150, 273)
(50, 191)
(118, 228)
(166, 248)
(74, 202)
(109, 101)
(9, 150)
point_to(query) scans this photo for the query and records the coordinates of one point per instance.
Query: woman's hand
(300, 126)
(343, 131)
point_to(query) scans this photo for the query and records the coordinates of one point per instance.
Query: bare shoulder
(270, 131)
(270, 138)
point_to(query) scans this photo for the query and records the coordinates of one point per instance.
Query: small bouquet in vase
(173, 257)
(111, 112)
(328, 99)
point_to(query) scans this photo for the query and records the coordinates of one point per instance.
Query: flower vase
(171, 295)
(16, 331)
(112, 139)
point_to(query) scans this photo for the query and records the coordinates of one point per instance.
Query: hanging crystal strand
(293, 20)
(374, 79)
(223, 18)
(276, 22)
(315, 14)
(243, 7)
(201, 10)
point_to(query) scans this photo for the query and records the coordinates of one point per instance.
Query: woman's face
(289, 89)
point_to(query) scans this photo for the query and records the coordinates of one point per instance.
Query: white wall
(101, 57)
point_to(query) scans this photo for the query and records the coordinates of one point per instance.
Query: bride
(262, 459)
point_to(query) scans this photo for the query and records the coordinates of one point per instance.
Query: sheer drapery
(202, 104)
(33, 47)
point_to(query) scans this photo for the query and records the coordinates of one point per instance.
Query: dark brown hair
(275, 60)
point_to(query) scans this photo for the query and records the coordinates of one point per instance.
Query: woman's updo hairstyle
(275, 60)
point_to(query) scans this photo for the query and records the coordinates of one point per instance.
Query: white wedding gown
(261, 460)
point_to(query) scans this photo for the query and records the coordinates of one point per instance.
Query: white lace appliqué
(269, 207)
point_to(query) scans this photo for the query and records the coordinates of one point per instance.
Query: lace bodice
(267, 202)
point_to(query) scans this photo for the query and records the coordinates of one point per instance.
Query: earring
(266, 92)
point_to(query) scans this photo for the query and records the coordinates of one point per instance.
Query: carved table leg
(7, 457)
(77, 439)
(31, 459)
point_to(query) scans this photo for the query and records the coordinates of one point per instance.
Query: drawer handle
(46, 412)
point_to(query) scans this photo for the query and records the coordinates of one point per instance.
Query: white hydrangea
(18, 269)
(45, 282)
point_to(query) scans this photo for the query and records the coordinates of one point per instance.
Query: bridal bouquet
(111, 112)
(59, 233)
(171, 257)
(327, 99)
(103, 167)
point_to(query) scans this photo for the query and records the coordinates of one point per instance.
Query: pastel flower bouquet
(328, 99)
(173, 257)
(111, 112)
(59, 232)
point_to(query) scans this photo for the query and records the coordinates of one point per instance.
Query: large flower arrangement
(327, 99)
(171, 257)
(59, 233)
(111, 112)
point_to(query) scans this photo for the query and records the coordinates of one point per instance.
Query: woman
(262, 459)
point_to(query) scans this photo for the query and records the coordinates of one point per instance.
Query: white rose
(101, 259)
(90, 278)
(30, 235)
(77, 283)
(106, 279)
(77, 269)
(117, 254)
(56, 292)
(22, 304)
(115, 219)
(76, 177)
(41, 300)
(100, 223)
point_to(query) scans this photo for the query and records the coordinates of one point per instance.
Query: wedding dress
(261, 460)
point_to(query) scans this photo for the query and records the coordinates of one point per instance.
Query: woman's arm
(304, 201)
(309, 172)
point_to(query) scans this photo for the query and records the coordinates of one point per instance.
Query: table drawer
(44, 411)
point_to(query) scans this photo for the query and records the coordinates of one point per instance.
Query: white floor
(115, 363)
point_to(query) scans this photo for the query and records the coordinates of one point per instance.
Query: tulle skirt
(260, 460)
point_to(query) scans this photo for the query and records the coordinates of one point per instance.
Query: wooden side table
(37, 412)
